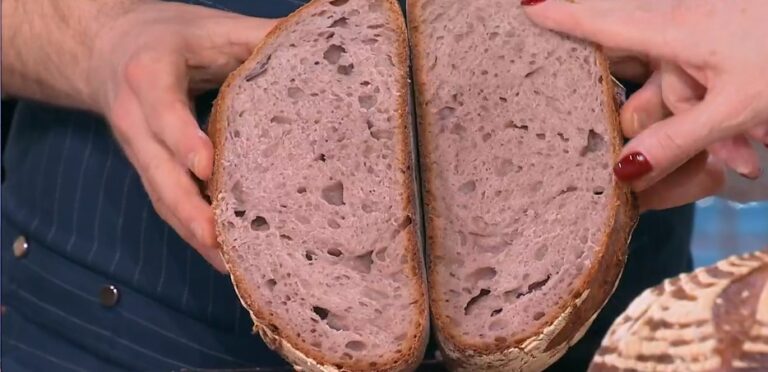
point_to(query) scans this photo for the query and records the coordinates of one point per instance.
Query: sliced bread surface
(713, 319)
(526, 226)
(313, 190)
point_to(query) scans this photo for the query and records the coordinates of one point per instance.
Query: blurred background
(721, 228)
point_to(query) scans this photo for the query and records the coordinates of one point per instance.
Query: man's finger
(639, 26)
(644, 107)
(700, 177)
(173, 193)
(161, 88)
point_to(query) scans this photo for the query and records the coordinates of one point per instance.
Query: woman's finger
(161, 88)
(664, 146)
(644, 107)
(640, 26)
(679, 89)
(700, 177)
(738, 154)
(170, 187)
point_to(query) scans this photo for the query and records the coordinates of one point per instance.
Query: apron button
(20, 247)
(109, 295)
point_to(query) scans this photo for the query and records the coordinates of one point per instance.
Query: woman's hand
(707, 96)
(144, 67)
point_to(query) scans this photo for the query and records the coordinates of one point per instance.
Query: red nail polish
(632, 167)
(530, 2)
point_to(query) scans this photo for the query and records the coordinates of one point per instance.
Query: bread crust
(538, 349)
(298, 354)
(711, 319)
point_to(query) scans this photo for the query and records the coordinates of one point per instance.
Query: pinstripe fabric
(88, 222)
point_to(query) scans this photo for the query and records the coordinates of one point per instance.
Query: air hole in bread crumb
(333, 224)
(534, 286)
(486, 137)
(279, 119)
(366, 208)
(538, 315)
(474, 300)
(362, 263)
(598, 190)
(333, 54)
(512, 125)
(271, 284)
(286, 237)
(321, 312)
(540, 253)
(446, 113)
(356, 345)
(259, 224)
(259, 69)
(367, 101)
(511, 295)
(458, 129)
(339, 2)
(381, 254)
(296, 93)
(239, 213)
(497, 311)
(541, 136)
(370, 41)
(346, 356)
(333, 194)
(345, 70)
(467, 187)
(481, 274)
(503, 99)
(341, 22)
(335, 252)
(595, 143)
(310, 255)
(497, 325)
(321, 158)
(493, 36)
(301, 190)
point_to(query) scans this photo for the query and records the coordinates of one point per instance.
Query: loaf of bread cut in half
(313, 190)
(714, 319)
(526, 227)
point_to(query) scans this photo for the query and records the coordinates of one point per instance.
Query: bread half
(713, 319)
(313, 190)
(526, 227)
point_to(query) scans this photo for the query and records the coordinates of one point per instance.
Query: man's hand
(138, 68)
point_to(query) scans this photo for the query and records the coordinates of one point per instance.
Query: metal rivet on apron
(109, 295)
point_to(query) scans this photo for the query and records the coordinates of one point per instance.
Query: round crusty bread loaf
(527, 228)
(313, 190)
(713, 319)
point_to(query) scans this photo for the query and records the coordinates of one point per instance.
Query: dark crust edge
(418, 338)
(603, 274)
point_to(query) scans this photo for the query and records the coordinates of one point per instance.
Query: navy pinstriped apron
(94, 280)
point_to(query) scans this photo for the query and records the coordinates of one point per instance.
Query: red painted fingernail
(530, 2)
(632, 167)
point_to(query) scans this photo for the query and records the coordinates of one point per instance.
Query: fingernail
(192, 162)
(632, 166)
(752, 177)
(530, 2)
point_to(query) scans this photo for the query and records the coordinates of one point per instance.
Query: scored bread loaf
(313, 190)
(526, 226)
(713, 319)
